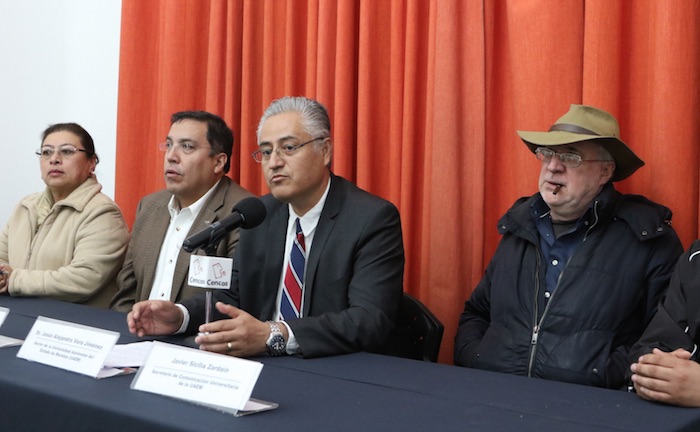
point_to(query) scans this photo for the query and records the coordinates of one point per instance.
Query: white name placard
(3, 314)
(211, 379)
(210, 272)
(69, 346)
(6, 341)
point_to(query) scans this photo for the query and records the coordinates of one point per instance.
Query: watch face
(276, 344)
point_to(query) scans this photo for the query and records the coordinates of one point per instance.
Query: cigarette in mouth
(556, 189)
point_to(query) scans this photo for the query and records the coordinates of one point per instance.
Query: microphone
(248, 213)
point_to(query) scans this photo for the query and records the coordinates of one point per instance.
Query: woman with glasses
(68, 241)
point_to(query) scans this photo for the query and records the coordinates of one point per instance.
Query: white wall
(59, 62)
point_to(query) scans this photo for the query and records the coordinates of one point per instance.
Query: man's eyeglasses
(263, 155)
(65, 151)
(186, 147)
(569, 160)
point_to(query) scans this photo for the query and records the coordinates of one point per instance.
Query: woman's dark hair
(77, 130)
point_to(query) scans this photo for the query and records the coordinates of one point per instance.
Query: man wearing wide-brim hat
(580, 267)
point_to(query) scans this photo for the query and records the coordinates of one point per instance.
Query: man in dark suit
(351, 272)
(198, 193)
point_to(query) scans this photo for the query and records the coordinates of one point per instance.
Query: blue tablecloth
(357, 392)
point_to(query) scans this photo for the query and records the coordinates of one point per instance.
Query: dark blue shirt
(557, 251)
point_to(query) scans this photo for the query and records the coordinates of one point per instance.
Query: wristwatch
(276, 345)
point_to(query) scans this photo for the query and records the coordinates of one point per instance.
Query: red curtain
(425, 98)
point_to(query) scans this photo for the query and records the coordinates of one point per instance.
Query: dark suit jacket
(354, 275)
(136, 277)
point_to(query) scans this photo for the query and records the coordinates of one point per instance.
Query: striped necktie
(293, 287)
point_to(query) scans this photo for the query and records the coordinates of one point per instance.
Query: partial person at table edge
(664, 362)
(580, 267)
(67, 242)
(342, 291)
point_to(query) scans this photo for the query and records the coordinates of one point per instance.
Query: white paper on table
(6, 341)
(128, 355)
(125, 358)
(4, 312)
